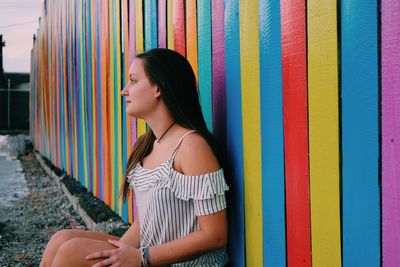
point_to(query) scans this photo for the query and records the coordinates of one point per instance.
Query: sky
(18, 38)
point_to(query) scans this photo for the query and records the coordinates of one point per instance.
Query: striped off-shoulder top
(169, 202)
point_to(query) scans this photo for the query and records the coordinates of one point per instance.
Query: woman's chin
(134, 115)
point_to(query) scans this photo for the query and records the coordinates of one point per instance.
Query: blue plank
(272, 148)
(150, 24)
(85, 134)
(235, 170)
(89, 116)
(204, 59)
(71, 56)
(62, 90)
(124, 65)
(360, 133)
(100, 140)
(78, 88)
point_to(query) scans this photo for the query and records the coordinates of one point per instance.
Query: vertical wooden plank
(234, 137)
(204, 45)
(360, 133)
(101, 103)
(150, 24)
(294, 75)
(95, 91)
(73, 101)
(106, 105)
(132, 53)
(390, 55)
(273, 173)
(57, 86)
(83, 93)
(191, 36)
(124, 79)
(162, 23)
(90, 88)
(111, 92)
(67, 110)
(218, 72)
(118, 105)
(170, 25)
(74, 71)
(51, 135)
(140, 124)
(79, 94)
(88, 93)
(179, 27)
(249, 59)
(132, 212)
(61, 19)
(324, 132)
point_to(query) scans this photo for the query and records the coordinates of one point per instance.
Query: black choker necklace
(159, 139)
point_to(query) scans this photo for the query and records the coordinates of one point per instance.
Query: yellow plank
(139, 26)
(324, 132)
(112, 100)
(140, 124)
(249, 57)
(170, 25)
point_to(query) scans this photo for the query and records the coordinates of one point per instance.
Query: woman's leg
(62, 236)
(74, 251)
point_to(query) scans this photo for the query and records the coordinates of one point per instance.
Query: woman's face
(140, 94)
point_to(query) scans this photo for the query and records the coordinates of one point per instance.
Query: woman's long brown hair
(175, 78)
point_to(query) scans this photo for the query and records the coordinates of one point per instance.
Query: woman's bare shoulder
(195, 156)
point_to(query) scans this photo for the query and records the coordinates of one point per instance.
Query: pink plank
(218, 70)
(390, 132)
(162, 23)
(132, 27)
(132, 51)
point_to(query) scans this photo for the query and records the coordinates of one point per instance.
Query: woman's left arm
(213, 234)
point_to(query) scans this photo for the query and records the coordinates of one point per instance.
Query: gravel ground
(26, 227)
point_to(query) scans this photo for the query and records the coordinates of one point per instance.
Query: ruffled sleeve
(207, 191)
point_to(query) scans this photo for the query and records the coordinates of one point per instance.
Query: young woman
(175, 171)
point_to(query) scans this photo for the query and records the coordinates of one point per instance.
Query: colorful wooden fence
(305, 95)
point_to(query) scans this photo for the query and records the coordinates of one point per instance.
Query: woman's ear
(158, 92)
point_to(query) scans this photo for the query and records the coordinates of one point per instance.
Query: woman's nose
(124, 92)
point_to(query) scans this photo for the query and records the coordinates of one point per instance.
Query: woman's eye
(133, 81)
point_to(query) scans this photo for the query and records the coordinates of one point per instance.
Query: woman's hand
(123, 255)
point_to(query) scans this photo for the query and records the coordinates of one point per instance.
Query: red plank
(294, 72)
(179, 26)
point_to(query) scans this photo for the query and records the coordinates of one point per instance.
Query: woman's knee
(70, 246)
(68, 254)
(63, 235)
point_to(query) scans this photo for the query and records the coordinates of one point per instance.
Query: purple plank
(390, 132)
(218, 70)
(162, 23)
(132, 27)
